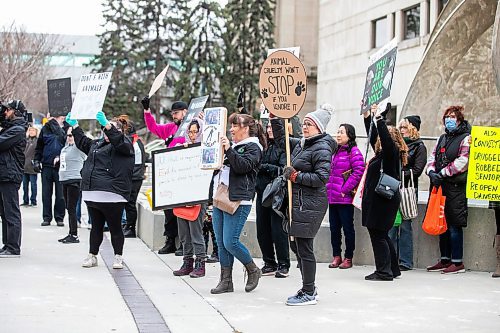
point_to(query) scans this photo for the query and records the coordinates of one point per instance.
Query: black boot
(254, 275)
(226, 281)
(129, 232)
(169, 247)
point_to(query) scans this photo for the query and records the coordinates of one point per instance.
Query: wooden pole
(288, 162)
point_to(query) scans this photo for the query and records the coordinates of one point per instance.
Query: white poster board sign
(178, 179)
(214, 125)
(295, 50)
(90, 95)
(158, 81)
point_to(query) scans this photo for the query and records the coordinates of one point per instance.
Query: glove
(101, 118)
(288, 171)
(436, 178)
(71, 122)
(37, 167)
(383, 114)
(145, 102)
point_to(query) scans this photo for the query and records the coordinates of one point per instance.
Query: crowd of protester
(326, 173)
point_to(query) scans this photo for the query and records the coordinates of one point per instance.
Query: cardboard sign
(90, 95)
(59, 95)
(283, 84)
(158, 81)
(379, 76)
(483, 178)
(178, 179)
(214, 125)
(195, 107)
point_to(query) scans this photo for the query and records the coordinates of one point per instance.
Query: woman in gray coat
(309, 173)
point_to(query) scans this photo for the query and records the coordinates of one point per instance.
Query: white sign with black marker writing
(90, 95)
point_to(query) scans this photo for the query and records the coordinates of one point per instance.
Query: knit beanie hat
(415, 121)
(321, 117)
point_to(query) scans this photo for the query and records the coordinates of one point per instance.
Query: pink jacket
(163, 131)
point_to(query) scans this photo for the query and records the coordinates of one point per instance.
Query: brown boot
(186, 268)
(497, 244)
(199, 268)
(254, 275)
(226, 281)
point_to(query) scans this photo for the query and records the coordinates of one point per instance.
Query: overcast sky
(72, 17)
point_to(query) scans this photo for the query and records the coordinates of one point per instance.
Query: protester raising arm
(163, 131)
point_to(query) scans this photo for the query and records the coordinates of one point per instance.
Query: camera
(19, 108)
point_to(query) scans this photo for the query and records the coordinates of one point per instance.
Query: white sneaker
(90, 261)
(118, 262)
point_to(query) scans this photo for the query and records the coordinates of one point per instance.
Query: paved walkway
(46, 290)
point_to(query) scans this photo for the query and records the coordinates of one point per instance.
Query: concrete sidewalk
(46, 290)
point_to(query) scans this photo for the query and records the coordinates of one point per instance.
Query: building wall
(346, 42)
(297, 25)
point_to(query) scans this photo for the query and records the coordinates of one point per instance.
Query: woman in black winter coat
(402, 236)
(379, 213)
(309, 172)
(270, 232)
(106, 182)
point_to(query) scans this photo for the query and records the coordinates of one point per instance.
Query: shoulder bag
(387, 186)
(221, 199)
(408, 205)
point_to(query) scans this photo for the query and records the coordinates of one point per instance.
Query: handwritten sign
(195, 107)
(283, 84)
(59, 95)
(214, 125)
(379, 76)
(483, 178)
(90, 95)
(178, 179)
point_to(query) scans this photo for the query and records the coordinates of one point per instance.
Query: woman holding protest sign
(106, 182)
(381, 196)
(447, 168)
(234, 190)
(309, 173)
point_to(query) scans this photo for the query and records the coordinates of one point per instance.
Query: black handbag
(387, 186)
(272, 189)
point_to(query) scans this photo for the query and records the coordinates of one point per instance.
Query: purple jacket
(341, 162)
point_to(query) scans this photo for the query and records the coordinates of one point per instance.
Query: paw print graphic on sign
(264, 93)
(300, 88)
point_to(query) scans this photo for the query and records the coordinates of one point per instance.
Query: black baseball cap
(16, 105)
(179, 105)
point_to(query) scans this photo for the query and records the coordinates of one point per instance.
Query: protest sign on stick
(90, 95)
(214, 126)
(195, 107)
(295, 50)
(283, 89)
(483, 178)
(59, 96)
(158, 81)
(379, 76)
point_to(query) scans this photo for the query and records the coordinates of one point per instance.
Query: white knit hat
(321, 117)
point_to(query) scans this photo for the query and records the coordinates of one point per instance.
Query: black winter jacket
(12, 144)
(272, 164)
(140, 153)
(244, 161)
(417, 159)
(378, 212)
(51, 140)
(109, 165)
(312, 157)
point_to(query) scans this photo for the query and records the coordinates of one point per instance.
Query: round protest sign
(283, 84)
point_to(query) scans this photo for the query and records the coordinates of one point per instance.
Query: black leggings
(497, 218)
(71, 193)
(100, 213)
(303, 248)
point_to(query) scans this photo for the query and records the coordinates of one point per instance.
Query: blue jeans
(79, 208)
(342, 217)
(402, 238)
(227, 230)
(27, 178)
(451, 244)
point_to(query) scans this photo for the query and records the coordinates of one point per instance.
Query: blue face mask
(450, 124)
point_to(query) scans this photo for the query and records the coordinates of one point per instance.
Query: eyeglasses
(193, 132)
(308, 124)
(70, 135)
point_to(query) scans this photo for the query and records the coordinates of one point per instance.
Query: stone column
(424, 18)
(433, 13)
(399, 26)
(390, 26)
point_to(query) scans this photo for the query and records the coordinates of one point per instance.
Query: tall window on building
(379, 32)
(441, 4)
(412, 22)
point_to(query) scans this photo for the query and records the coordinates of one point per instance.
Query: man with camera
(12, 144)
(50, 142)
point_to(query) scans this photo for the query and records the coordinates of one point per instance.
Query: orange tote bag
(435, 221)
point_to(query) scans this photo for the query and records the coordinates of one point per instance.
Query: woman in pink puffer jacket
(347, 168)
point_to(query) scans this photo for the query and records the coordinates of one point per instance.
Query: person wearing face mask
(402, 236)
(309, 171)
(106, 182)
(167, 132)
(447, 168)
(70, 164)
(346, 171)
